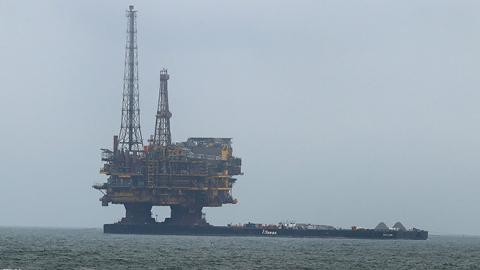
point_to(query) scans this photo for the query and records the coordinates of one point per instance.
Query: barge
(264, 231)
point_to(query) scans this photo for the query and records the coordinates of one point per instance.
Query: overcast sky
(344, 112)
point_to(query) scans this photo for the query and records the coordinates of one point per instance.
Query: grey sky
(344, 112)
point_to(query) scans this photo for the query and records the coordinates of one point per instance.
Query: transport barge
(264, 231)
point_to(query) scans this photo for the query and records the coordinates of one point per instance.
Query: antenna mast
(130, 137)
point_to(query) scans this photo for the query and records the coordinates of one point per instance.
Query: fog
(344, 112)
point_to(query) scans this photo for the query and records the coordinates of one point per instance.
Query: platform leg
(187, 216)
(138, 213)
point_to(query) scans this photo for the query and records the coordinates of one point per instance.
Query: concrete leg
(187, 216)
(138, 213)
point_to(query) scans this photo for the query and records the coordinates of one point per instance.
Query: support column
(138, 213)
(186, 216)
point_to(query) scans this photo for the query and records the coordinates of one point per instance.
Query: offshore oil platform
(186, 176)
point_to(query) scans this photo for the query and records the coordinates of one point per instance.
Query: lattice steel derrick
(130, 136)
(162, 135)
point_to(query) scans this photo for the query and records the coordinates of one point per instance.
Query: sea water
(41, 248)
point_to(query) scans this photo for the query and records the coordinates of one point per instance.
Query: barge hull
(162, 229)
